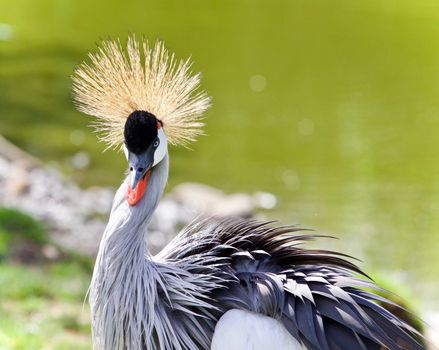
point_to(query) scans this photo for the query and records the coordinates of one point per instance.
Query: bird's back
(318, 297)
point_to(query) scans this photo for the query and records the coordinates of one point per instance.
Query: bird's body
(230, 270)
(137, 292)
(221, 283)
(236, 330)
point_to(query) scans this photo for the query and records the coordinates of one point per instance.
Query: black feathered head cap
(140, 131)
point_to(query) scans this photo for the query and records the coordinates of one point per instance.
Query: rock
(206, 200)
(265, 200)
(45, 194)
(18, 181)
(50, 252)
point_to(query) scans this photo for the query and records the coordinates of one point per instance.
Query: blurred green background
(331, 105)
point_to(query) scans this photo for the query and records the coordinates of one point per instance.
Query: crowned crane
(221, 283)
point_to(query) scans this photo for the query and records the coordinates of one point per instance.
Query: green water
(331, 105)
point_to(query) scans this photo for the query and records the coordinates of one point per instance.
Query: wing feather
(321, 297)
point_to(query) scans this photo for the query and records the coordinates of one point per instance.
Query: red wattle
(136, 194)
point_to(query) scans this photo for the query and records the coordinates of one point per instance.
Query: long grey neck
(124, 236)
(124, 269)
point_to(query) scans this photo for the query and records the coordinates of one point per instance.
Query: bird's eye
(156, 143)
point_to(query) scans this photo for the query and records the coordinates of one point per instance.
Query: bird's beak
(140, 169)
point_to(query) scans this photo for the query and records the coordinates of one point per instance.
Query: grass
(41, 305)
(15, 225)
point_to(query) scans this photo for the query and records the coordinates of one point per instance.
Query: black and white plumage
(317, 295)
(222, 283)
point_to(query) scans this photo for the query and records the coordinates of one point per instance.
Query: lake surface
(334, 107)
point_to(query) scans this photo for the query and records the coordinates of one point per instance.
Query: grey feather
(318, 289)
(174, 300)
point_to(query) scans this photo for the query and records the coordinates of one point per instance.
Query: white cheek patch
(126, 152)
(162, 149)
